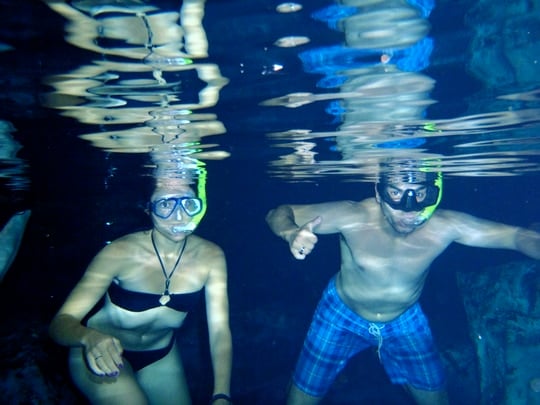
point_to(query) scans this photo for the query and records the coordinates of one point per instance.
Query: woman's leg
(120, 390)
(164, 381)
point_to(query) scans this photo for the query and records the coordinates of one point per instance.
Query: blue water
(85, 166)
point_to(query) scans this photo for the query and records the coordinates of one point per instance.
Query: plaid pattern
(336, 334)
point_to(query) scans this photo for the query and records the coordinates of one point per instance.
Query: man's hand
(303, 240)
(528, 241)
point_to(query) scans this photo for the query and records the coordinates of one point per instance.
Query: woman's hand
(103, 353)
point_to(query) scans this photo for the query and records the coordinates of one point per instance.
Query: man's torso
(382, 273)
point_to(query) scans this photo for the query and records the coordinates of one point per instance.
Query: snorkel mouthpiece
(188, 228)
(419, 221)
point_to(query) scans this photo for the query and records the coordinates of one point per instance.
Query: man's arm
(297, 224)
(528, 242)
(301, 239)
(478, 232)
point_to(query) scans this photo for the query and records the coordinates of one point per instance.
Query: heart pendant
(164, 299)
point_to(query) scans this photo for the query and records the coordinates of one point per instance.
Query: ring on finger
(98, 357)
(302, 250)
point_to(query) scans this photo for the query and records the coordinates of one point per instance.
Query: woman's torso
(132, 311)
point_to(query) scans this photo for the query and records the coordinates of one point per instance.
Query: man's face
(402, 204)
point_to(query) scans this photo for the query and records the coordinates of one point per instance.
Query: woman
(127, 352)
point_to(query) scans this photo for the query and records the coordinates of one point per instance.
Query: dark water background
(82, 197)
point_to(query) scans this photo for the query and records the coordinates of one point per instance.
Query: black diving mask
(409, 199)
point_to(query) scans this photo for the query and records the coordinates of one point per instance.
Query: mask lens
(191, 205)
(164, 208)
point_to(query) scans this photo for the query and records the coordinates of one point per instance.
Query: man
(387, 245)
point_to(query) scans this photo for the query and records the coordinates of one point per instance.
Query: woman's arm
(103, 352)
(217, 308)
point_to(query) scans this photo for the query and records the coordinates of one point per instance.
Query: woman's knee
(106, 390)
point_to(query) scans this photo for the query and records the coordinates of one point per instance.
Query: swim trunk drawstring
(375, 330)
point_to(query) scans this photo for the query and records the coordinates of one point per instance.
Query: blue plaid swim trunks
(405, 346)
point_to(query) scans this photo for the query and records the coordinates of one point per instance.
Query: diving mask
(410, 199)
(164, 207)
(424, 199)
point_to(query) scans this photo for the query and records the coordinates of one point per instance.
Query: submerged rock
(506, 42)
(34, 369)
(503, 310)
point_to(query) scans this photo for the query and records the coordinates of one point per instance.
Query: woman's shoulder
(205, 247)
(133, 237)
(203, 243)
(127, 243)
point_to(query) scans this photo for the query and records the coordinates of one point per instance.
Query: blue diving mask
(164, 207)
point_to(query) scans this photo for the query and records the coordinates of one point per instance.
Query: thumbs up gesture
(304, 239)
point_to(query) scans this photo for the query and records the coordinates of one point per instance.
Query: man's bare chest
(377, 251)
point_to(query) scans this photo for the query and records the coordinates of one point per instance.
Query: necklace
(165, 297)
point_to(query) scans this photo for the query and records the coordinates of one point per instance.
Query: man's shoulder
(364, 204)
(344, 206)
(450, 222)
(451, 215)
(348, 212)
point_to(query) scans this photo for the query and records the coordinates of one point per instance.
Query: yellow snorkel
(427, 212)
(201, 193)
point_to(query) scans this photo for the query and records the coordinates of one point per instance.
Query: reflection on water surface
(151, 80)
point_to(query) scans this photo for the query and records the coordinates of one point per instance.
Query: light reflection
(533, 95)
(374, 86)
(148, 86)
(288, 7)
(14, 202)
(370, 80)
(13, 168)
(291, 41)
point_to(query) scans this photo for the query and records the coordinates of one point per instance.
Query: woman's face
(173, 211)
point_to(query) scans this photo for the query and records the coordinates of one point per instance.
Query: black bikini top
(136, 301)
